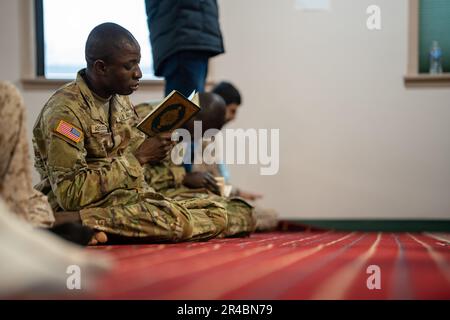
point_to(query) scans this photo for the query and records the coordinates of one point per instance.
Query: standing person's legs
(185, 72)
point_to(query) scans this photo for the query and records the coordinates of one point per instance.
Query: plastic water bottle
(435, 58)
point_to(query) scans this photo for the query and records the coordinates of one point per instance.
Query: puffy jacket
(181, 25)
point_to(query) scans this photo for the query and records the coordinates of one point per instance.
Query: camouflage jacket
(84, 159)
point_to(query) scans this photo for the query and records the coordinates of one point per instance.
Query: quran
(174, 111)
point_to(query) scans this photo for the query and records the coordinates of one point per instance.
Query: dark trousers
(185, 72)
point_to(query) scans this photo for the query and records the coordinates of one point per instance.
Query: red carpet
(283, 265)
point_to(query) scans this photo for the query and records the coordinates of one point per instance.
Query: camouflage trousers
(153, 217)
(15, 166)
(240, 215)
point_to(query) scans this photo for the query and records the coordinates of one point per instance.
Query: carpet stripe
(426, 280)
(195, 290)
(237, 267)
(273, 286)
(401, 288)
(158, 282)
(440, 237)
(337, 285)
(297, 241)
(242, 267)
(282, 265)
(173, 269)
(437, 258)
(384, 259)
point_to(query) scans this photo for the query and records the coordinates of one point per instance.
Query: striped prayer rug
(284, 265)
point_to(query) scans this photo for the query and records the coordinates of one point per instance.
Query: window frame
(33, 72)
(413, 77)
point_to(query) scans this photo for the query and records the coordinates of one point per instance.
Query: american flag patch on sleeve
(69, 131)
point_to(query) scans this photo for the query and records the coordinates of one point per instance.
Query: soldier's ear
(99, 67)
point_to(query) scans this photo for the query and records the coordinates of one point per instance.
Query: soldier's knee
(241, 207)
(244, 213)
(219, 217)
(181, 229)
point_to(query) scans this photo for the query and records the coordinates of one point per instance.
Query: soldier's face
(123, 72)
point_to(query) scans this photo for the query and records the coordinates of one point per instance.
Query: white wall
(354, 141)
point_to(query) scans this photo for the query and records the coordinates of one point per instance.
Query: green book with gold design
(174, 111)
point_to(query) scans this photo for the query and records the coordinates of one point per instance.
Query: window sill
(427, 80)
(43, 83)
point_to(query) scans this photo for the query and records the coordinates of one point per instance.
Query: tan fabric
(15, 166)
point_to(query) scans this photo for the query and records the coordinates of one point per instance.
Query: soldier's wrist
(139, 158)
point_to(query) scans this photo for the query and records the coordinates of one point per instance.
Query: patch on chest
(69, 131)
(99, 128)
(124, 116)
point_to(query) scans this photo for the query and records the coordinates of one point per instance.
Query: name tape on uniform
(99, 128)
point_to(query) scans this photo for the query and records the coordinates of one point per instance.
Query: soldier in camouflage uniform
(173, 181)
(15, 167)
(170, 180)
(90, 155)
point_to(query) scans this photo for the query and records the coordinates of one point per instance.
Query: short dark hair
(228, 92)
(105, 40)
(212, 112)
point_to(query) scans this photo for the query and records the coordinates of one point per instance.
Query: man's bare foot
(99, 238)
